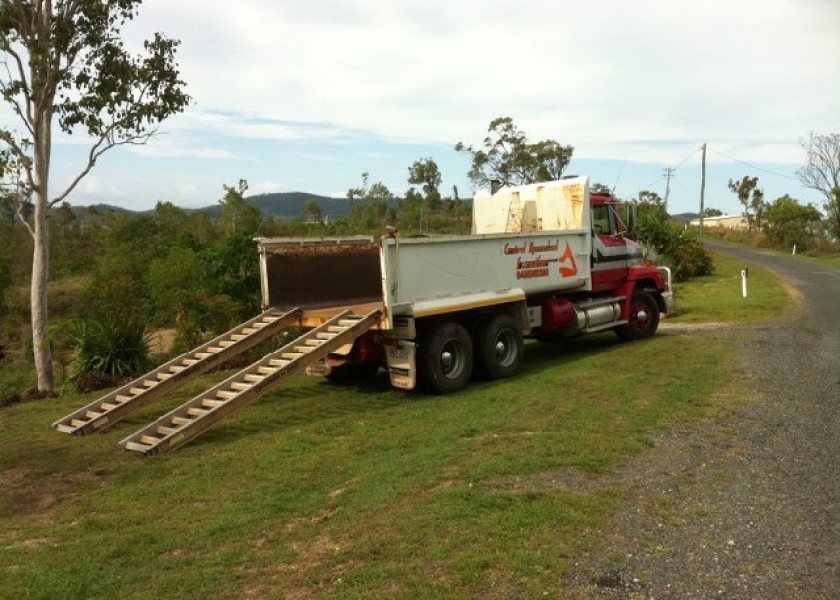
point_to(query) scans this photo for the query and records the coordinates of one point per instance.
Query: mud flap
(402, 366)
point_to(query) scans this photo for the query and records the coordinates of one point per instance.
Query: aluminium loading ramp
(135, 395)
(197, 415)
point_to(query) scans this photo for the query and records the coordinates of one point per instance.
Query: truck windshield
(605, 221)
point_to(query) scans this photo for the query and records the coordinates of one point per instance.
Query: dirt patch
(672, 328)
(161, 341)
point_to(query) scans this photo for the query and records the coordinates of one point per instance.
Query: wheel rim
(639, 316)
(452, 359)
(505, 348)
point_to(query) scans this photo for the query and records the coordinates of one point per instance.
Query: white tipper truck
(544, 260)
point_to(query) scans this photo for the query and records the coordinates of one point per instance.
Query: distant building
(732, 222)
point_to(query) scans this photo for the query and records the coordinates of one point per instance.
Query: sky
(306, 95)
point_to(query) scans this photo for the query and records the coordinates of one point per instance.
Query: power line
(685, 160)
(672, 170)
(732, 158)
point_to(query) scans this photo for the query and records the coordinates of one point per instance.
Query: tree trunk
(41, 253)
(38, 298)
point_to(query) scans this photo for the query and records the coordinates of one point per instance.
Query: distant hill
(284, 205)
(281, 205)
(289, 205)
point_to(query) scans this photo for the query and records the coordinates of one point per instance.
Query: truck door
(609, 249)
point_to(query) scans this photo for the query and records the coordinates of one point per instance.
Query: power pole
(668, 172)
(702, 190)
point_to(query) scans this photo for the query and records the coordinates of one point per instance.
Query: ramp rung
(196, 416)
(134, 395)
(138, 447)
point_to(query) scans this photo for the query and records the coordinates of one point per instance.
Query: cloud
(284, 89)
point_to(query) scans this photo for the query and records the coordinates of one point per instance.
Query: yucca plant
(115, 347)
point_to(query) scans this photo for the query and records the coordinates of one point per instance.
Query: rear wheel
(498, 347)
(445, 357)
(643, 318)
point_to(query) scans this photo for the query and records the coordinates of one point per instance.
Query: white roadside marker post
(745, 274)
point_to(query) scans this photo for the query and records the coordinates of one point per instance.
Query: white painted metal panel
(428, 276)
(550, 206)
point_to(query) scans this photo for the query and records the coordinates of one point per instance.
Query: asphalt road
(749, 506)
(798, 441)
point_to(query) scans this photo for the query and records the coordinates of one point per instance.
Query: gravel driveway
(747, 506)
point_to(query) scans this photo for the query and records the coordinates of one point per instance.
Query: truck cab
(613, 253)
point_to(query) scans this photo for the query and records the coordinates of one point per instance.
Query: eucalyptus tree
(65, 65)
(508, 158)
(426, 174)
(822, 171)
(751, 197)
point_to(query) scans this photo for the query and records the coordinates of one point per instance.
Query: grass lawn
(718, 297)
(321, 491)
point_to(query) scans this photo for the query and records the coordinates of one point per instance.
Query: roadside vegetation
(327, 491)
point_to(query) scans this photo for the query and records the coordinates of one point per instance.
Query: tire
(643, 318)
(498, 347)
(445, 358)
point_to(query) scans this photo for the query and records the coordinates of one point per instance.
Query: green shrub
(677, 248)
(115, 347)
(689, 259)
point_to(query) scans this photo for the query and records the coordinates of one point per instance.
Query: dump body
(508, 257)
(426, 277)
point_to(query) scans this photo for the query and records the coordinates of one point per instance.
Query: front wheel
(445, 357)
(498, 347)
(643, 317)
